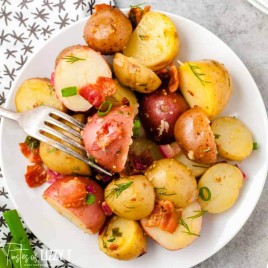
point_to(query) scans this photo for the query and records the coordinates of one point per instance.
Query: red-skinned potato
(159, 112)
(61, 196)
(195, 137)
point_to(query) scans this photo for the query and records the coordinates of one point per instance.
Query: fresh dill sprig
(185, 225)
(116, 191)
(196, 71)
(200, 213)
(72, 59)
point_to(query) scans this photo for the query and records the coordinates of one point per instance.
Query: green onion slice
(255, 146)
(105, 108)
(90, 199)
(205, 193)
(69, 91)
(136, 128)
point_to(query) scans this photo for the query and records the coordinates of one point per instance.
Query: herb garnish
(143, 37)
(116, 191)
(72, 59)
(32, 142)
(185, 225)
(105, 108)
(217, 136)
(115, 233)
(162, 191)
(90, 199)
(196, 71)
(136, 128)
(200, 213)
(137, 6)
(203, 196)
(69, 91)
(255, 146)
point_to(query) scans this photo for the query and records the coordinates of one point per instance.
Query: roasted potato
(182, 237)
(195, 137)
(60, 161)
(89, 217)
(196, 168)
(122, 239)
(76, 68)
(122, 95)
(172, 181)
(219, 187)
(233, 138)
(35, 92)
(130, 197)
(206, 84)
(154, 42)
(107, 30)
(159, 112)
(131, 73)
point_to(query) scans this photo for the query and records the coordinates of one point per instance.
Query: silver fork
(35, 124)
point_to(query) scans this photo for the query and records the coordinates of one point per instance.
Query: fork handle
(8, 114)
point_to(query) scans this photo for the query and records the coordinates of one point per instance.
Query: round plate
(82, 249)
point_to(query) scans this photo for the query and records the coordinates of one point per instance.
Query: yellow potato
(60, 161)
(233, 138)
(122, 239)
(154, 42)
(195, 137)
(130, 197)
(35, 92)
(173, 181)
(219, 187)
(196, 168)
(206, 84)
(131, 73)
(122, 92)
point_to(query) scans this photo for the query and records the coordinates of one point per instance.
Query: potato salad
(151, 120)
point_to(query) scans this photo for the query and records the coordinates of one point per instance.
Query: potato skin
(172, 181)
(211, 91)
(34, 92)
(234, 140)
(224, 182)
(195, 137)
(107, 30)
(122, 239)
(159, 112)
(135, 202)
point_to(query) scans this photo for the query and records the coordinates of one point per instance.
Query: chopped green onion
(105, 108)
(203, 196)
(136, 128)
(32, 142)
(69, 91)
(255, 146)
(90, 199)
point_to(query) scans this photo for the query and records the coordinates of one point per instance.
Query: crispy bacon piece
(96, 93)
(164, 216)
(170, 77)
(36, 175)
(72, 193)
(32, 154)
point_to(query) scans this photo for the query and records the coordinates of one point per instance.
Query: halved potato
(131, 73)
(206, 84)
(122, 239)
(172, 181)
(219, 187)
(154, 42)
(34, 92)
(233, 138)
(76, 67)
(182, 237)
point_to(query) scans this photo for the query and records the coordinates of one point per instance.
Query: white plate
(58, 233)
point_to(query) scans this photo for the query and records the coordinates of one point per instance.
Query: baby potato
(131, 73)
(154, 42)
(122, 239)
(219, 187)
(206, 84)
(182, 237)
(195, 137)
(60, 161)
(107, 30)
(122, 93)
(35, 92)
(130, 197)
(233, 138)
(196, 168)
(172, 181)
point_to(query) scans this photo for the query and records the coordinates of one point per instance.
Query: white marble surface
(245, 30)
